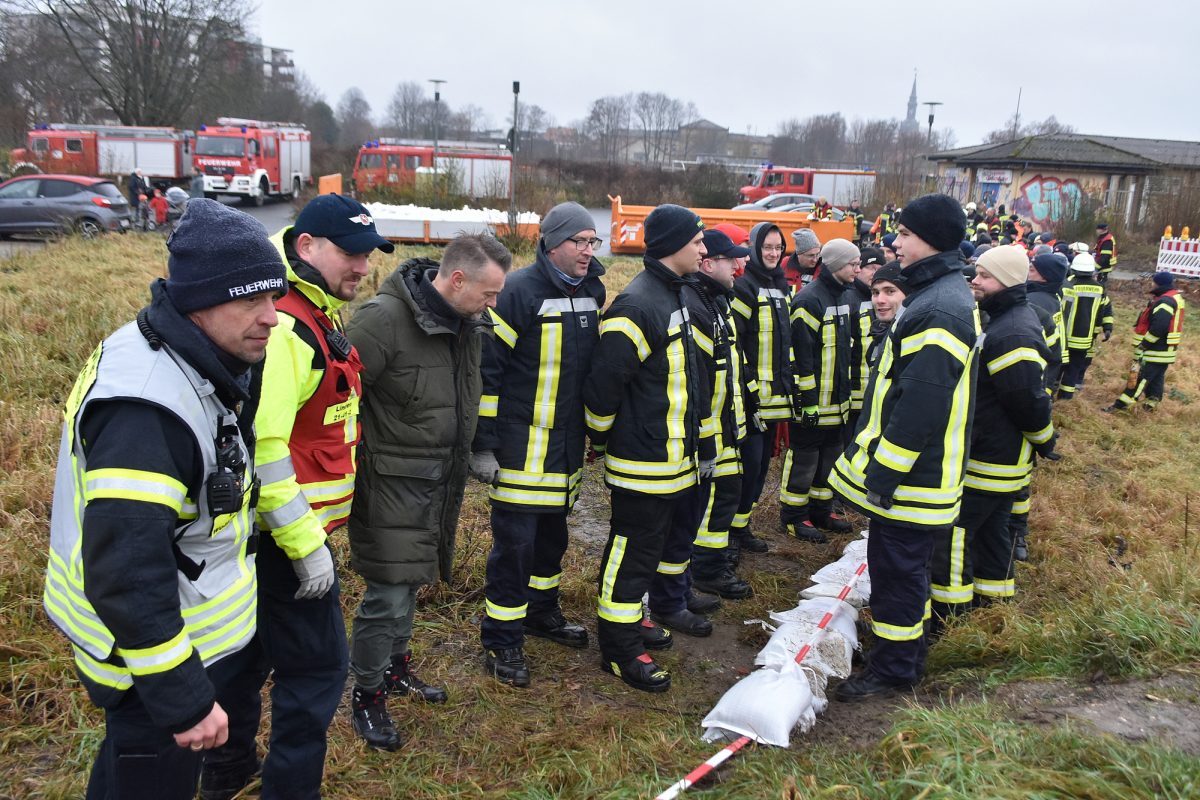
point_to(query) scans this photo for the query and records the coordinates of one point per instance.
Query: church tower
(910, 124)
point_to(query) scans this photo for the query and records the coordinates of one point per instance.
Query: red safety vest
(326, 429)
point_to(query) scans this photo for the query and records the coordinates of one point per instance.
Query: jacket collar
(409, 283)
(1003, 300)
(711, 287)
(662, 272)
(924, 272)
(303, 276)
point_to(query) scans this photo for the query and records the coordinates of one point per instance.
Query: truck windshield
(220, 146)
(758, 179)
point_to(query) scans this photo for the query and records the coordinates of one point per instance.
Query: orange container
(628, 221)
(330, 184)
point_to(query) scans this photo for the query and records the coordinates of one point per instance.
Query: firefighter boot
(507, 665)
(640, 673)
(805, 531)
(222, 780)
(400, 680)
(830, 522)
(725, 584)
(654, 637)
(1020, 548)
(684, 621)
(554, 626)
(701, 603)
(371, 721)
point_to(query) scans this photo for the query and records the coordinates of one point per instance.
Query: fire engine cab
(163, 154)
(253, 159)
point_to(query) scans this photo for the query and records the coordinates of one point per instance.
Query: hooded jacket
(763, 317)
(821, 323)
(862, 312)
(421, 387)
(531, 413)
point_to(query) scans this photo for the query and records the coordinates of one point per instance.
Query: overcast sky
(1108, 67)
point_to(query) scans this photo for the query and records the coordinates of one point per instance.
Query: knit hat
(1083, 263)
(891, 273)
(1052, 267)
(669, 228)
(738, 235)
(1009, 265)
(342, 220)
(837, 253)
(1164, 280)
(980, 250)
(1042, 249)
(564, 221)
(889, 240)
(872, 255)
(805, 240)
(966, 248)
(935, 219)
(219, 254)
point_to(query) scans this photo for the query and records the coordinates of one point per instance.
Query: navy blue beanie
(669, 228)
(967, 249)
(1164, 280)
(936, 219)
(219, 254)
(1052, 267)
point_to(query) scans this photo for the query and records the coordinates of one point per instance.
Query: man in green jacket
(420, 341)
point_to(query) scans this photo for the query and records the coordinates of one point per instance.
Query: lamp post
(933, 104)
(512, 171)
(437, 98)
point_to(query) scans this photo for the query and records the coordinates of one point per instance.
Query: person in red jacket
(158, 206)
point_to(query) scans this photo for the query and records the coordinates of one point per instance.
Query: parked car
(772, 202)
(54, 204)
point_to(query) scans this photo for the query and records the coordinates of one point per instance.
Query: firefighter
(822, 209)
(154, 505)
(733, 409)
(1105, 252)
(801, 267)
(885, 223)
(529, 444)
(1157, 334)
(647, 409)
(854, 214)
(307, 428)
(760, 308)
(821, 339)
(904, 467)
(889, 253)
(972, 561)
(1087, 314)
(858, 298)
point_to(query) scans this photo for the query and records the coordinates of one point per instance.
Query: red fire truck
(163, 154)
(254, 159)
(839, 186)
(474, 171)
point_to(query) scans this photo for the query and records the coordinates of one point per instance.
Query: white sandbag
(856, 598)
(842, 572)
(856, 549)
(844, 616)
(817, 681)
(764, 706)
(831, 648)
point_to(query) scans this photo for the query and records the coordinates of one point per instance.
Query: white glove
(707, 465)
(315, 572)
(484, 467)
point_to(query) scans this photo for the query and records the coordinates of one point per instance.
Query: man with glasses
(529, 444)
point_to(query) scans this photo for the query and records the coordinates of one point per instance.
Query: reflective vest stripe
(632, 332)
(159, 658)
(287, 513)
(132, 484)
(1015, 356)
(277, 470)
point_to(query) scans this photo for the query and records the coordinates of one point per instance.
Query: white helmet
(1083, 263)
(1080, 247)
(970, 206)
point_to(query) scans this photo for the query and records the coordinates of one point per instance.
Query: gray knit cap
(805, 240)
(564, 221)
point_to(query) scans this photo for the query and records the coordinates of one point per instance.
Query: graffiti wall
(1044, 196)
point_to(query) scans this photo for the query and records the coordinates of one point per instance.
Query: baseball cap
(717, 243)
(343, 221)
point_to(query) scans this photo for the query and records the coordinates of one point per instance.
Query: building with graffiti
(1051, 177)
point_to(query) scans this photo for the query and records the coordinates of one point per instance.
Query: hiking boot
(654, 637)
(400, 680)
(865, 685)
(831, 522)
(727, 584)
(371, 721)
(700, 603)
(684, 621)
(507, 665)
(1114, 408)
(554, 626)
(640, 673)
(222, 781)
(1020, 549)
(807, 532)
(749, 543)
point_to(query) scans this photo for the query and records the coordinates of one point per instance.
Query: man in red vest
(307, 425)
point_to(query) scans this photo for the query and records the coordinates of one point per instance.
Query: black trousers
(139, 760)
(756, 452)
(524, 570)
(1018, 520)
(304, 644)
(1152, 380)
(804, 491)
(973, 559)
(633, 558)
(710, 548)
(1073, 371)
(898, 562)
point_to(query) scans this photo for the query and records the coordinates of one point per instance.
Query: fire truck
(254, 159)
(475, 171)
(163, 154)
(839, 186)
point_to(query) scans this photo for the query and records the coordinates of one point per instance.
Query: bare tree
(1013, 129)
(531, 118)
(354, 118)
(409, 112)
(607, 125)
(148, 59)
(467, 121)
(659, 118)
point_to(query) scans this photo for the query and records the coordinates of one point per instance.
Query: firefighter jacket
(1012, 408)
(862, 315)
(885, 223)
(716, 335)
(760, 308)
(531, 412)
(912, 437)
(421, 388)
(1159, 328)
(1086, 311)
(1106, 253)
(646, 402)
(1046, 301)
(308, 417)
(855, 215)
(821, 333)
(150, 582)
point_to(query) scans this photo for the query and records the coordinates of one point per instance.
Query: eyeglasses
(584, 244)
(772, 248)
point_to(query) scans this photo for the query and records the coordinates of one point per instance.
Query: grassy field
(1111, 593)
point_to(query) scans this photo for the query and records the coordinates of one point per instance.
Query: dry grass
(578, 733)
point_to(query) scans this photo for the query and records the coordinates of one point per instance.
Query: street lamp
(512, 169)
(932, 107)
(437, 97)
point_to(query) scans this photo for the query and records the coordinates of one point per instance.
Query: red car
(55, 204)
